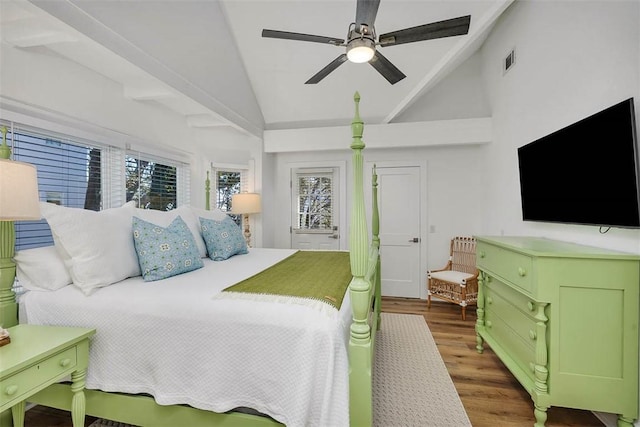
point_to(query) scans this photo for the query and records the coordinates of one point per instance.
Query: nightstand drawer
(512, 266)
(17, 386)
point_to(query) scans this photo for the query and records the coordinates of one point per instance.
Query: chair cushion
(450, 276)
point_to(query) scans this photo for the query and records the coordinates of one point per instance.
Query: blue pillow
(165, 252)
(223, 239)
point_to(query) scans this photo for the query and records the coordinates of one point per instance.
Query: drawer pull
(489, 300)
(482, 254)
(522, 272)
(530, 306)
(65, 362)
(532, 335)
(11, 390)
(488, 323)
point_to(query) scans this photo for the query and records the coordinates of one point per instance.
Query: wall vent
(509, 61)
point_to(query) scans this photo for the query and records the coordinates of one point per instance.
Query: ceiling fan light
(360, 50)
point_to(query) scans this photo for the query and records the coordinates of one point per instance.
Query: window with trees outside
(314, 200)
(227, 183)
(153, 185)
(82, 174)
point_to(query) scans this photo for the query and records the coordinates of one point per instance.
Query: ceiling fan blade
(435, 30)
(366, 11)
(326, 70)
(275, 34)
(386, 68)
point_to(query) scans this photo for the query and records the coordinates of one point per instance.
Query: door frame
(341, 167)
(422, 165)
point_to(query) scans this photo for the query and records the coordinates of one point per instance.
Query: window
(68, 174)
(314, 200)
(83, 174)
(227, 183)
(152, 185)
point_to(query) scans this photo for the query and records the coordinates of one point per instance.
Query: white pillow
(97, 247)
(214, 214)
(165, 218)
(41, 269)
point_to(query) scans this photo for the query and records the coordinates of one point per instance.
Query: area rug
(411, 385)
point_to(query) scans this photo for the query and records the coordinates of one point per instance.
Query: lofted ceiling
(207, 60)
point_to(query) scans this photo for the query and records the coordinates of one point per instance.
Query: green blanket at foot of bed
(319, 275)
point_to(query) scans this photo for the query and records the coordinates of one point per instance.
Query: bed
(187, 351)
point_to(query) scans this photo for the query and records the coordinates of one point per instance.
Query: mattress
(176, 340)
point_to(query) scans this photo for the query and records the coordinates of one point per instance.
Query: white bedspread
(172, 340)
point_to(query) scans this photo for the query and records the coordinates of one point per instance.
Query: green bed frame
(364, 291)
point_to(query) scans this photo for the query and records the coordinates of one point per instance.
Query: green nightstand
(39, 356)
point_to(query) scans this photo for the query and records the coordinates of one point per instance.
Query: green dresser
(564, 319)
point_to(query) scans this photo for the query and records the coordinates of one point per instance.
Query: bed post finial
(357, 126)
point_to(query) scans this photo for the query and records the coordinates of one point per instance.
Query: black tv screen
(585, 173)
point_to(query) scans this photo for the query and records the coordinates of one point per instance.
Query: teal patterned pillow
(224, 238)
(165, 252)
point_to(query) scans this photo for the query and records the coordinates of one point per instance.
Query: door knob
(414, 240)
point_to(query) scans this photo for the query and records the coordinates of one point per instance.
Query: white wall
(572, 60)
(453, 191)
(460, 95)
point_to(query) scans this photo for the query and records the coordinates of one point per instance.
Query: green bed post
(207, 193)
(360, 381)
(375, 230)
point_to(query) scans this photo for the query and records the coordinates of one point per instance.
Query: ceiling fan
(362, 40)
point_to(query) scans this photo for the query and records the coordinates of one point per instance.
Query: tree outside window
(315, 201)
(152, 185)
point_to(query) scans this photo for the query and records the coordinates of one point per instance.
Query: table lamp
(245, 204)
(19, 201)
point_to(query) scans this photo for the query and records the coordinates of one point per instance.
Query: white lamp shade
(18, 191)
(245, 203)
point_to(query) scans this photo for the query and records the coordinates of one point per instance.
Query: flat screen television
(586, 173)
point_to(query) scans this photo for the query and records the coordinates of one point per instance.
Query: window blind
(227, 183)
(79, 173)
(70, 173)
(154, 182)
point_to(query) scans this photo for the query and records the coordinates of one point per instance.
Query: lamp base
(247, 232)
(8, 306)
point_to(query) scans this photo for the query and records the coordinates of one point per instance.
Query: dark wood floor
(490, 394)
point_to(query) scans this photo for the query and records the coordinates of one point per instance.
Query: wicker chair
(457, 282)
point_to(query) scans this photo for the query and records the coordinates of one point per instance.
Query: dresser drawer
(518, 299)
(512, 266)
(521, 350)
(15, 387)
(521, 321)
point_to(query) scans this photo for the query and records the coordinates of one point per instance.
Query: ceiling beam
(73, 15)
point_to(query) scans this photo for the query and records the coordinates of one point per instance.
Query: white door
(399, 203)
(314, 209)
